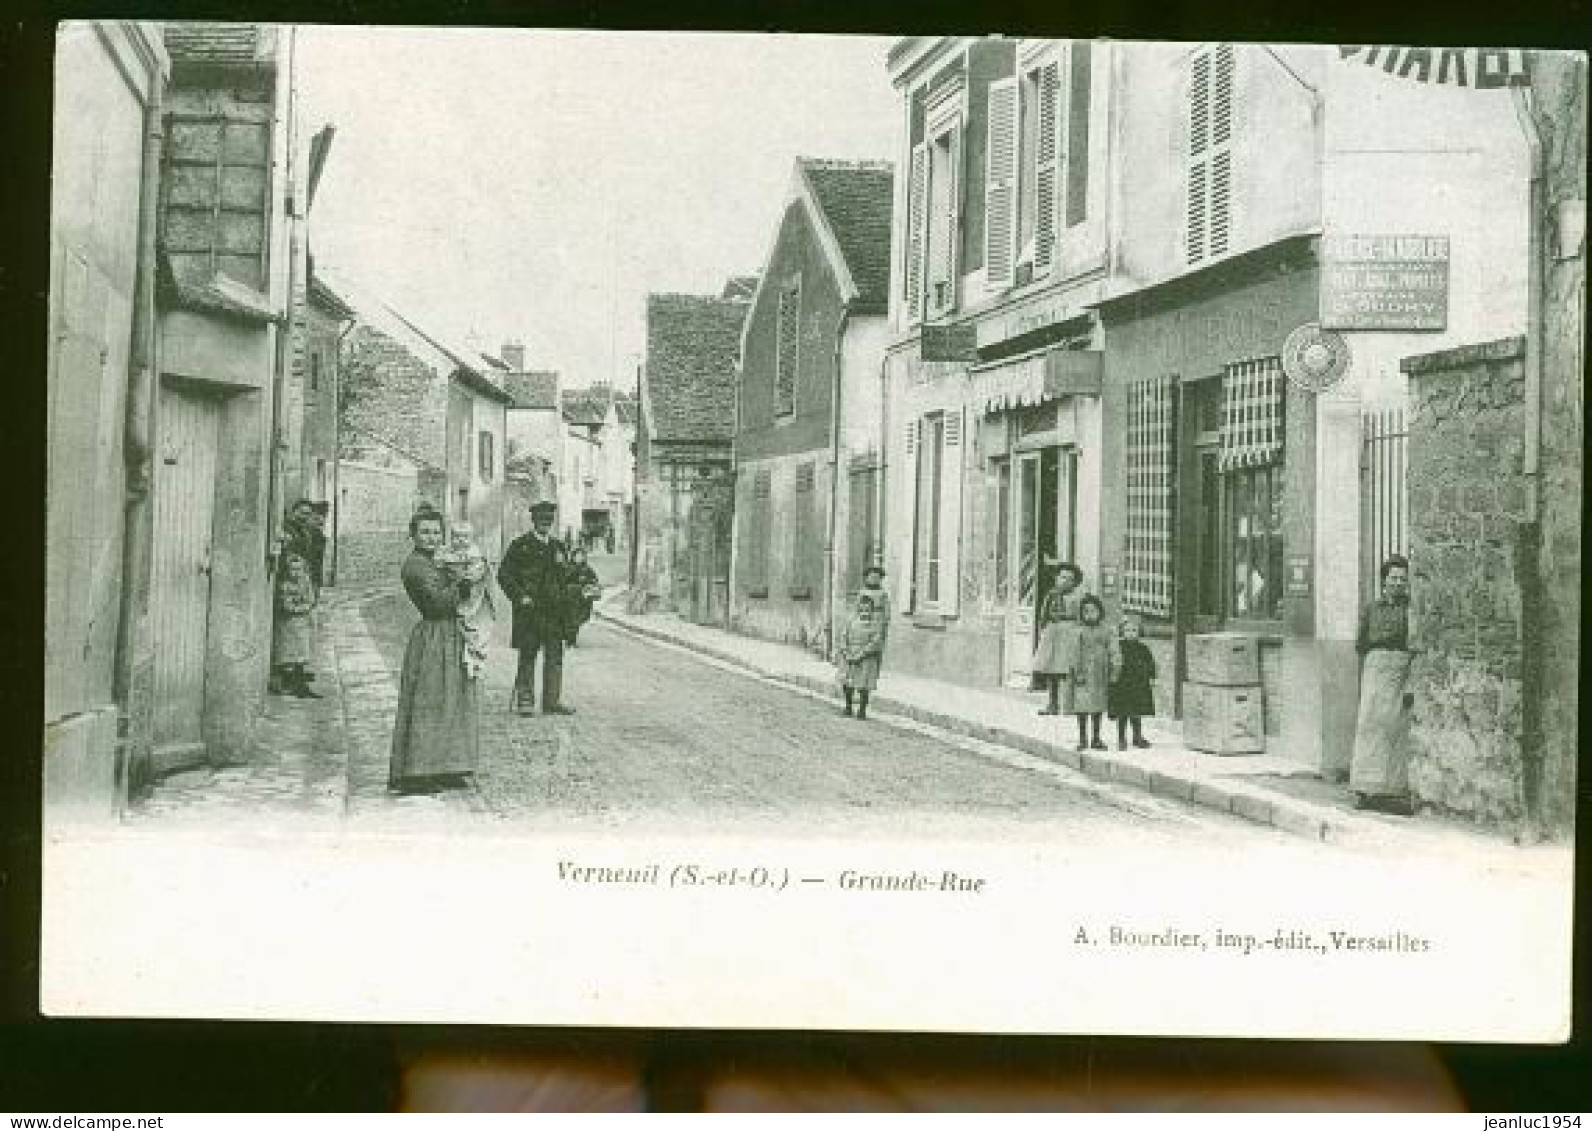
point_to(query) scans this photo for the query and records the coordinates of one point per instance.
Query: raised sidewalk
(1268, 790)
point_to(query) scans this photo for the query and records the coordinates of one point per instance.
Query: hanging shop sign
(949, 341)
(1480, 68)
(1384, 282)
(1315, 359)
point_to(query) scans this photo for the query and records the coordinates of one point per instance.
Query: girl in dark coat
(1132, 683)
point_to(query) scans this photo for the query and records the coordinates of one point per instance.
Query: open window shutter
(951, 465)
(907, 492)
(917, 229)
(1047, 171)
(1221, 177)
(1210, 152)
(1080, 77)
(1000, 207)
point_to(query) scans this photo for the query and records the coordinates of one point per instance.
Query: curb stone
(1309, 824)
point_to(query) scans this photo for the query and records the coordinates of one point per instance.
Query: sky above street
(496, 184)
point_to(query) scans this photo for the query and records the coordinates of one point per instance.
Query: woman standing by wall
(434, 739)
(1379, 776)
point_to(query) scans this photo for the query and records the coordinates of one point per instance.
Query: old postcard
(967, 534)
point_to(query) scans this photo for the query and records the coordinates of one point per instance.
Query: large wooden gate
(185, 484)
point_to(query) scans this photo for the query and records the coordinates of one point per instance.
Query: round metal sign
(1314, 358)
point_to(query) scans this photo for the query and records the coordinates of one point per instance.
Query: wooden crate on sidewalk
(1223, 720)
(1224, 659)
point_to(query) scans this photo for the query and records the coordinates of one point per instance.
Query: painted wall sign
(1297, 583)
(951, 341)
(1481, 68)
(1384, 282)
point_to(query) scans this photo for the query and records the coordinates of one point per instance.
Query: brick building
(809, 405)
(684, 436)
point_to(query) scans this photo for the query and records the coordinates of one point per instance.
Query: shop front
(1040, 436)
(1209, 515)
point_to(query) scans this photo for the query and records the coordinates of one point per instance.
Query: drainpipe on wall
(1528, 552)
(831, 560)
(138, 429)
(337, 440)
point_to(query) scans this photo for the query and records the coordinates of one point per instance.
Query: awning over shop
(1034, 378)
(1252, 417)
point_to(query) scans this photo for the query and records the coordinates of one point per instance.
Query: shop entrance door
(1043, 526)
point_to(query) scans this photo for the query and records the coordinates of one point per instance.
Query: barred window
(788, 353)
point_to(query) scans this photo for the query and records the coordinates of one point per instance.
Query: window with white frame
(933, 224)
(1209, 182)
(1037, 175)
(934, 450)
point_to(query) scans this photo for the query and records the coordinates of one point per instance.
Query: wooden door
(185, 483)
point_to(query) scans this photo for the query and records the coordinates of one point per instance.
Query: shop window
(1252, 543)
(1001, 582)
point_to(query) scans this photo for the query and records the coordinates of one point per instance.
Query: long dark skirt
(435, 730)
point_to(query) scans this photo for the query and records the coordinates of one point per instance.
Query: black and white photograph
(948, 533)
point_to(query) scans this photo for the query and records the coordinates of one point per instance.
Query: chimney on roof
(513, 355)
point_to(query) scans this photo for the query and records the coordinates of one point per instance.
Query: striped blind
(1252, 407)
(1147, 566)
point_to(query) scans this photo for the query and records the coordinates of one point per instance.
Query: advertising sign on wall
(1384, 282)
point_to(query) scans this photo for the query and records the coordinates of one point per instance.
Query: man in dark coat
(534, 576)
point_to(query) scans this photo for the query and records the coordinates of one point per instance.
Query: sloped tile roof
(537, 388)
(693, 342)
(740, 286)
(587, 406)
(212, 44)
(625, 408)
(856, 199)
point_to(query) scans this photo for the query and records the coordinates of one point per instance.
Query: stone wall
(376, 504)
(1467, 503)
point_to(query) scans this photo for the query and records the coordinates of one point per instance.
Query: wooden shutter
(803, 543)
(917, 229)
(1047, 168)
(1210, 155)
(1079, 79)
(1000, 202)
(942, 258)
(907, 492)
(951, 477)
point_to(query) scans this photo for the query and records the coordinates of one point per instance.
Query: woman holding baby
(434, 739)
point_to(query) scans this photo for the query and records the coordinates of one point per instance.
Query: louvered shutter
(1210, 152)
(943, 228)
(917, 229)
(907, 492)
(1000, 206)
(951, 465)
(1047, 168)
(1080, 76)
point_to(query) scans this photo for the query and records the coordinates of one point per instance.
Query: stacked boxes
(1222, 701)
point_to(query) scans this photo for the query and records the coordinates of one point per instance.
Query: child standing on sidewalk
(1058, 636)
(1091, 671)
(465, 563)
(293, 643)
(1132, 694)
(861, 650)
